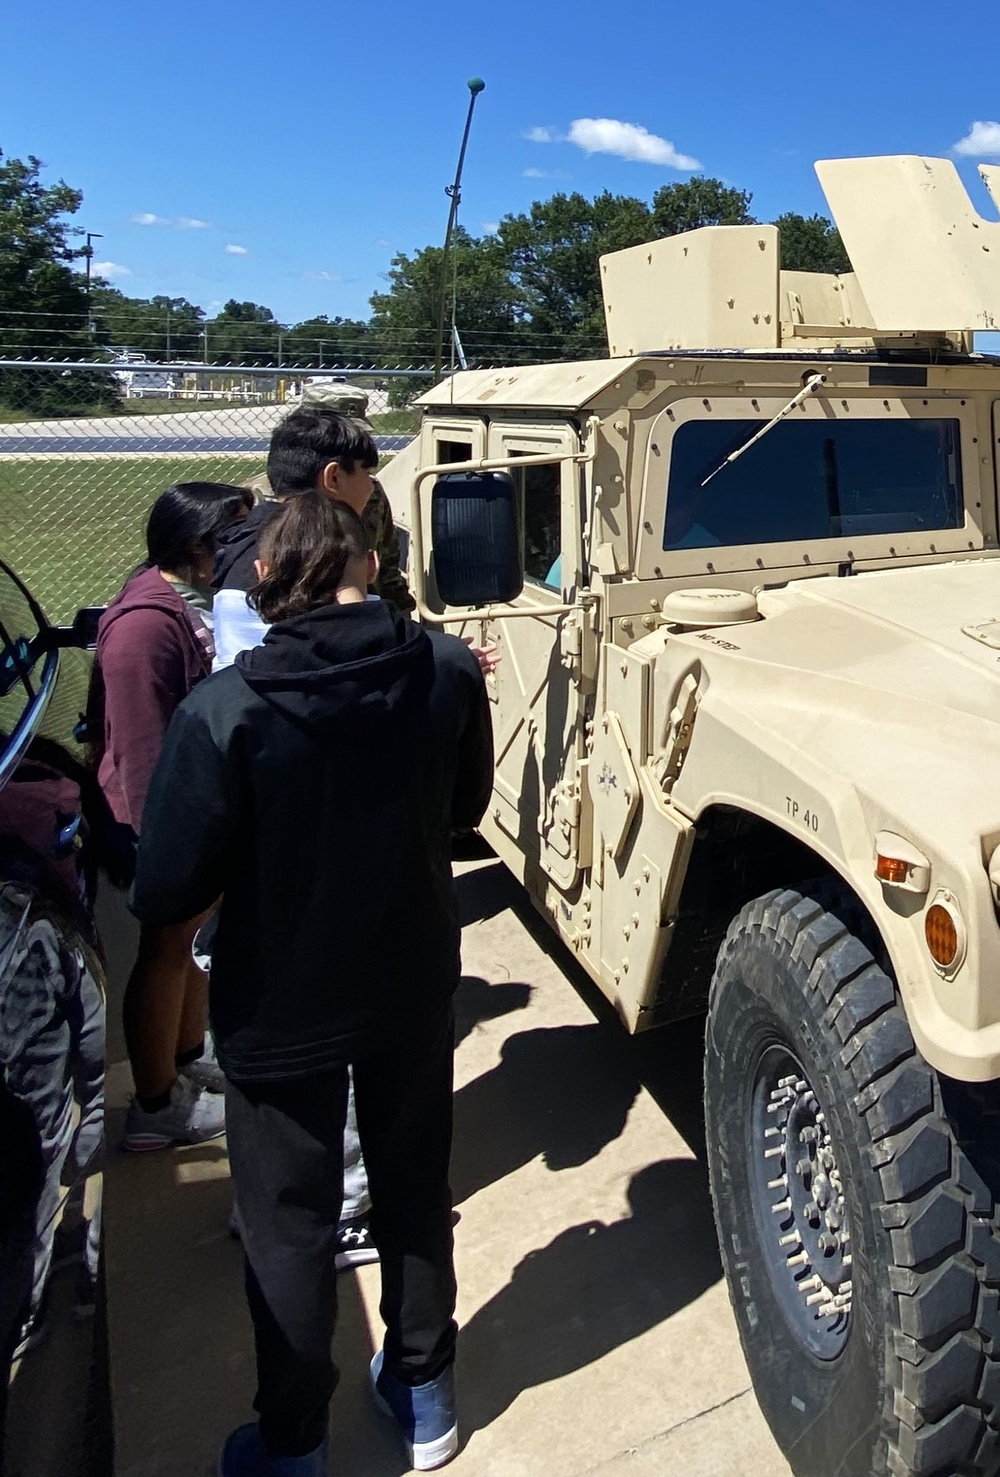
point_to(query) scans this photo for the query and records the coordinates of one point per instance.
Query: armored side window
(811, 479)
(541, 523)
(453, 451)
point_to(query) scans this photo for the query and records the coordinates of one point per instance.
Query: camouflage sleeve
(384, 539)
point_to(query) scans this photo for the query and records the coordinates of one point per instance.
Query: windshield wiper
(812, 384)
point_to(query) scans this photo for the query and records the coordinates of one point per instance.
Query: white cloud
(627, 141)
(981, 142)
(110, 270)
(176, 223)
(233, 250)
(542, 136)
(321, 276)
(491, 227)
(536, 173)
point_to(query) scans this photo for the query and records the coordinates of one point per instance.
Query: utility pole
(88, 252)
(168, 333)
(454, 193)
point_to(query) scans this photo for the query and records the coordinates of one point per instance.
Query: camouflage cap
(348, 400)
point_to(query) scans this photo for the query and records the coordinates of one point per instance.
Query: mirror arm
(490, 464)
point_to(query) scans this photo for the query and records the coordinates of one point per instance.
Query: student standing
(315, 785)
(154, 645)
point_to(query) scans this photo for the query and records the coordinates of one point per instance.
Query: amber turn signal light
(890, 869)
(899, 864)
(941, 933)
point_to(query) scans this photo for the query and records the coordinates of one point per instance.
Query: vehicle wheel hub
(807, 1232)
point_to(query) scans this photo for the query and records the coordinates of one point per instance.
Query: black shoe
(355, 1246)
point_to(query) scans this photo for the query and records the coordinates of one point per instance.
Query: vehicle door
(535, 689)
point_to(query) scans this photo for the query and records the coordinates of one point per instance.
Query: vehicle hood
(907, 632)
(870, 684)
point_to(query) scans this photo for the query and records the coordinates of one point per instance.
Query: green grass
(73, 527)
(396, 423)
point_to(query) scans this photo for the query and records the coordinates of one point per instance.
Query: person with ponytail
(315, 785)
(154, 645)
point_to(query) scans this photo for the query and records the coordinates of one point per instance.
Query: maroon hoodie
(152, 649)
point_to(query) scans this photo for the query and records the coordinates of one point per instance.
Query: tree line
(528, 290)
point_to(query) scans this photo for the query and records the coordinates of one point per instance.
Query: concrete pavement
(597, 1339)
(199, 420)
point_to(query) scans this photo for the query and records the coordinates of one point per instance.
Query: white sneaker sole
(346, 1259)
(144, 1143)
(424, 1456)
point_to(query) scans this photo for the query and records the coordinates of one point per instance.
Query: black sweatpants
(286, 1153)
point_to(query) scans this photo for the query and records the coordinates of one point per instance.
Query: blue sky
(284, 154)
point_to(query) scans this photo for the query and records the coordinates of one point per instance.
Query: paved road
(597, 1338)
(246, 428)
(210, 445)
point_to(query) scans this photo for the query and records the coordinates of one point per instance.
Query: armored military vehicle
(743, 576)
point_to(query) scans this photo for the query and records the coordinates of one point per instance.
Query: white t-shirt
(238, 627)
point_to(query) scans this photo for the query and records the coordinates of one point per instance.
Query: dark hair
(306, 549)
(190, 515)
(310, 438)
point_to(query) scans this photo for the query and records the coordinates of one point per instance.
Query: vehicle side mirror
(84, 627)
(474, 529)
(82, 633)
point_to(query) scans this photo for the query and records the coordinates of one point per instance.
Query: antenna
(454, 193)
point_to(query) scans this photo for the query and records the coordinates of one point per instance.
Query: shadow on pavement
(484, 892)
(560, 1091)
(668, 1060)
(590, 1290)
(477, 1000)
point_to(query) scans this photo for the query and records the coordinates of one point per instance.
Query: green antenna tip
(476, 85)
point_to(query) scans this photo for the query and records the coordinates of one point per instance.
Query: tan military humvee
(748, 758)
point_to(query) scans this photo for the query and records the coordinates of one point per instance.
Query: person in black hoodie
(323, 775)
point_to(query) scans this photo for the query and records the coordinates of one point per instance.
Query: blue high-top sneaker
(245, 1455)
(425, 1414)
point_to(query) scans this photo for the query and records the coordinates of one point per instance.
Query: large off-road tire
(860, 1241)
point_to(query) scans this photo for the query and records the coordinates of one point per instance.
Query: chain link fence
(85, 450)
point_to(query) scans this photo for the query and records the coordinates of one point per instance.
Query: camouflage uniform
(377, 517)
(383, 538)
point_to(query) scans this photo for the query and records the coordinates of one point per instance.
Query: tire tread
(939, 1213)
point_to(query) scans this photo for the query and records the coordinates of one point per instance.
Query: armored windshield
(812, 479)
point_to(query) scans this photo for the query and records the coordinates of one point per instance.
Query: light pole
(454, 193)
(88, 252)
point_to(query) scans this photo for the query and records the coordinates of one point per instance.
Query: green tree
(488, 307)
(243, 333)
(811, 244)
(690, 204)
(161, 327)
(43, 300)
(552, 256)
(324, 341)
